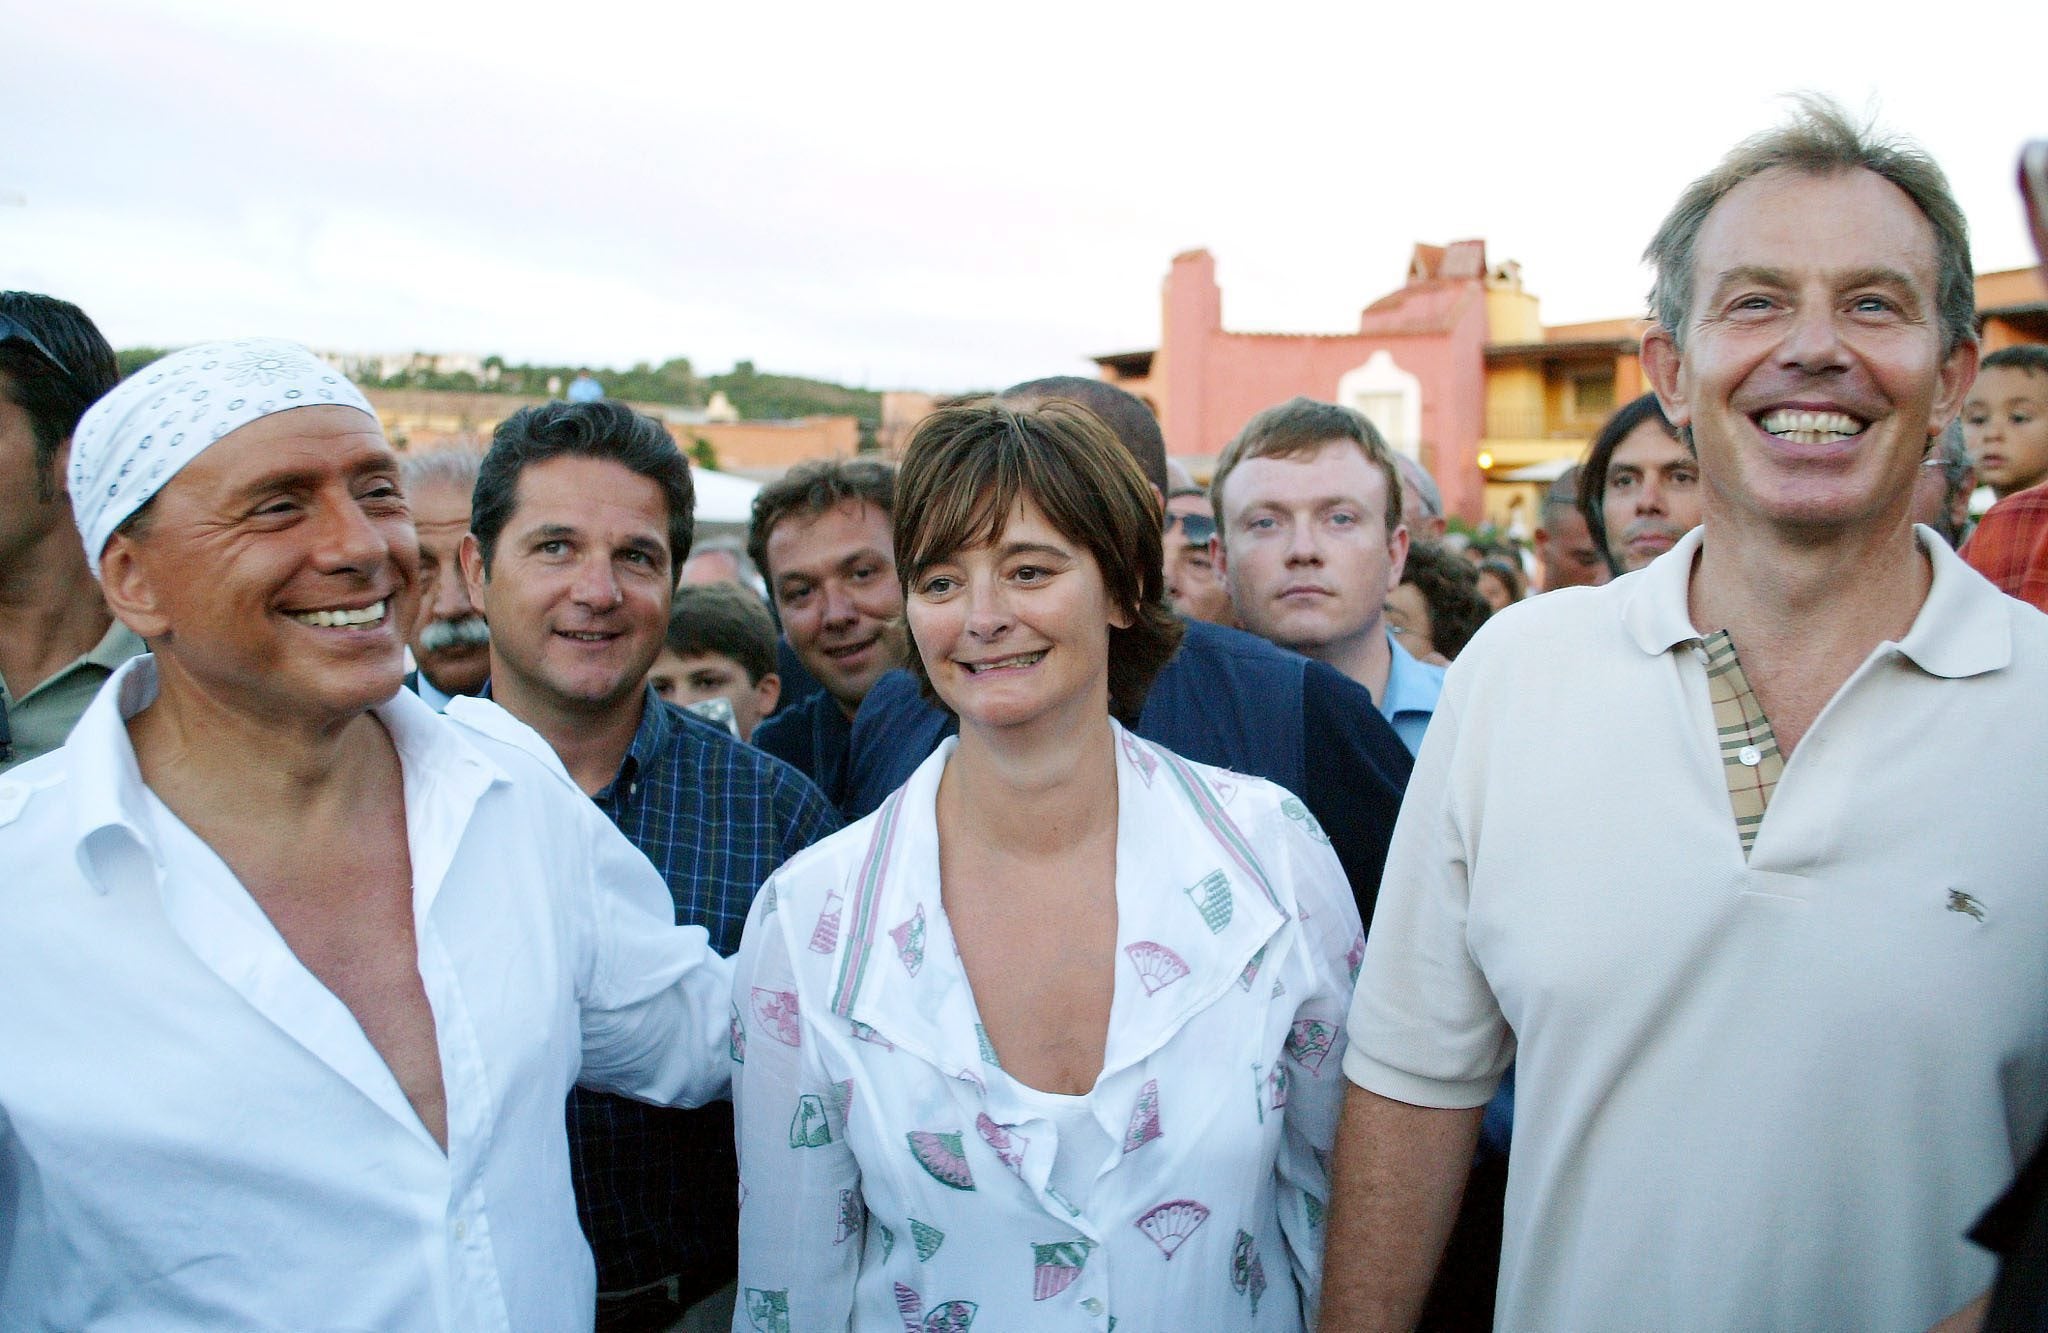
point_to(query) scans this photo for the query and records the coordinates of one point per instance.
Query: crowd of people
(1019, 886)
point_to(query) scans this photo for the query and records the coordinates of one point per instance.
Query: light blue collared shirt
(1410, 696)
(431, 693)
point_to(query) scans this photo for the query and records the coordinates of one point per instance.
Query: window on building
(1386, 411)
(1592, 393)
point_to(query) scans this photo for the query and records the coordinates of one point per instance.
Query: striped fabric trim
(853, 964)
(1742, 727)
(1220, 825)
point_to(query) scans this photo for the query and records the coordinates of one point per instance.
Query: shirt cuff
(1415, 1089)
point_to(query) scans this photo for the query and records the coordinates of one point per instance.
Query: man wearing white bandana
(298, 974)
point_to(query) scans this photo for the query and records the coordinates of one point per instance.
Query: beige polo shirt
(1762, 1092)
(39, 721)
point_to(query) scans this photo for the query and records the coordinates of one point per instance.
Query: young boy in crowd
(2005, 419)
(721, 645)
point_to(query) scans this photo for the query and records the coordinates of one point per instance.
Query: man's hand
(1400, 1172)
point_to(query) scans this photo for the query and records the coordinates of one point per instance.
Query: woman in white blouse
(1052, 1039)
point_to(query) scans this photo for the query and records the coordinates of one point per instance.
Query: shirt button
(1093, 1305)
(461, 1229)
(1749, 756)
(1699, 654)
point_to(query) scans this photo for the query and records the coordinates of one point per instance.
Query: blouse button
(1750, 756)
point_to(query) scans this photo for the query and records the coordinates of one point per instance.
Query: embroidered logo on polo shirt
(1958, 901)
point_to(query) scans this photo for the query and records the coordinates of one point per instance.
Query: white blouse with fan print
(893, 1177)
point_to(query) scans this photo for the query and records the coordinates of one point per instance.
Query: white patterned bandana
(135, 439)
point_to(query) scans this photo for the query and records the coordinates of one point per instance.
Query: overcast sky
(938, 196)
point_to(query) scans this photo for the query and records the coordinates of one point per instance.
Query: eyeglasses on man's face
(1197, 529)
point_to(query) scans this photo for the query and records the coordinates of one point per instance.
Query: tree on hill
(759, 396)
(674, 383)
(132, 359)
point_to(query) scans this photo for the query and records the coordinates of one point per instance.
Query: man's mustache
(442, 635)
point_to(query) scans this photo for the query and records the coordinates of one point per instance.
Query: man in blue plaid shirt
(582, 515)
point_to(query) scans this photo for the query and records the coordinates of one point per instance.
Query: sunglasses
(1197, 528)
(13, 330)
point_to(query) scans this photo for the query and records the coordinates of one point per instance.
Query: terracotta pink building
(1456, 368)
(1418, 366)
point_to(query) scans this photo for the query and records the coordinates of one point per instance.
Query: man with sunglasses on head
(58, 641)
(1192, 584)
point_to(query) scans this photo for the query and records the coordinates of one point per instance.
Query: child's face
(684, 679)
(2005, 422)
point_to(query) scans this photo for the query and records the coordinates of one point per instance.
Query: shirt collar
(829, 722)
(1174, 828)
(1412, 686)
(1654, 606)
(1962, 629)
(116, 646)
(650, 739)
(430, 693)
(111, 818)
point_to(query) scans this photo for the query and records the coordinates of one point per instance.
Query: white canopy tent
(723, 498)
(1539, 472)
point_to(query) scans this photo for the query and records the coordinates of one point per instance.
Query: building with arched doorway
(1455, 367)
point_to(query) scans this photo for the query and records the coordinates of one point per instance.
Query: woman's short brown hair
(967, 467)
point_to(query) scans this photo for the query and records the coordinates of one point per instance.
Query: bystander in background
(58, 640)
(721, 646)
(450, 640)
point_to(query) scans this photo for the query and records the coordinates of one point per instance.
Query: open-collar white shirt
(893, 1176)
(196, 1134)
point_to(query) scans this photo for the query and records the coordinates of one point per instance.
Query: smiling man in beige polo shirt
(1775, 1046)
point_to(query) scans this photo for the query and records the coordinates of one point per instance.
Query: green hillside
(756, 396)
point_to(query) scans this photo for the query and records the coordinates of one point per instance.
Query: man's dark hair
(2030, 357)
(1302, 426)
(1593, 472)
(606, 430)
(1122, 411)
(1449, 584)
(54, 396)
(814, 488)
(724, 619)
